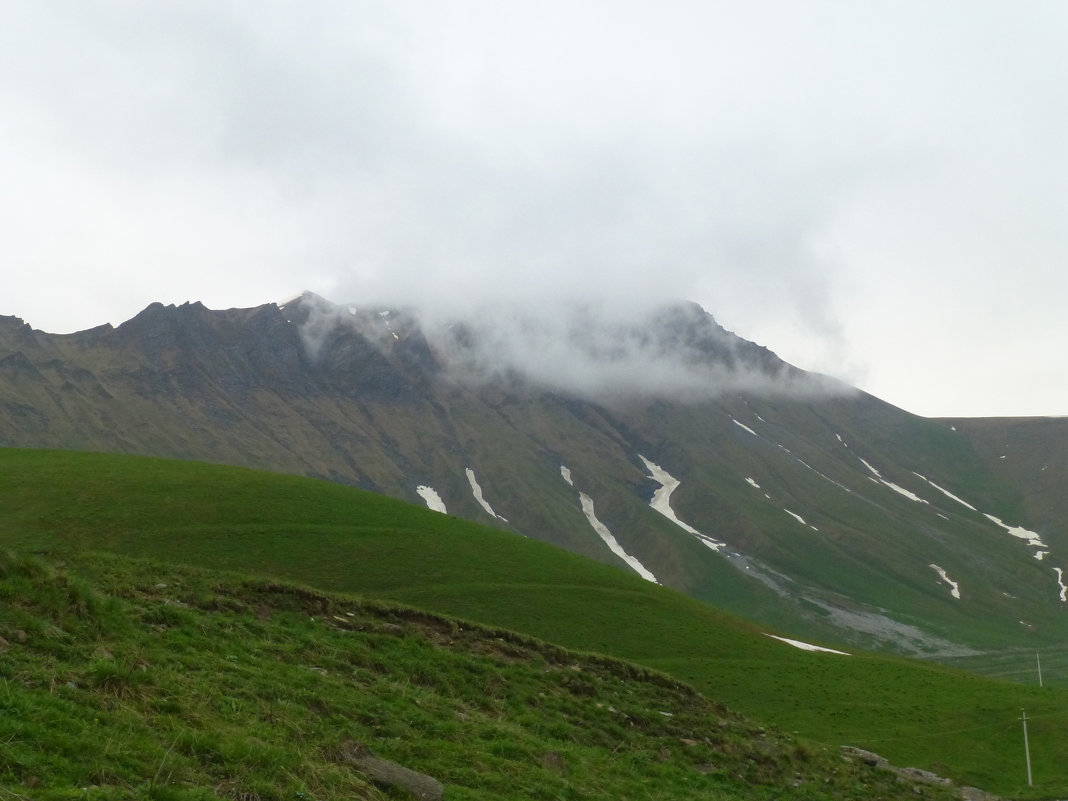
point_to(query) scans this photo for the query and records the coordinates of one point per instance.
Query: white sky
(876, 190)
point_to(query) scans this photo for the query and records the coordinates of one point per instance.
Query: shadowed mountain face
(658, 442)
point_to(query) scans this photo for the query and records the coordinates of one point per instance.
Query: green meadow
(74, 509)
(138, 680)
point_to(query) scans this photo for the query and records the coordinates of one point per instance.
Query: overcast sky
(874, 190)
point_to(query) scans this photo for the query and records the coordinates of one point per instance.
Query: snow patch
(476, 490)
(661, 501)
(747, 428)
(800, 519)
(1060, 582)
(433, 500)
(843, 441)
(753, 484)
(868, 465)
(384, 315)
(566, 474)
(954, 588)
(912, 496)
(1030, 537)
(805, 646)
(611, 541)
(946, 492)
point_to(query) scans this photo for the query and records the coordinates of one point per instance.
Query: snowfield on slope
(912, 496)
(806, 646)
(954, 588)
(661, 501)
(946, 492)
(1021, 533)
(433, 500)
(586, 502)
(476, 490)
(611, 541)
(743, 425)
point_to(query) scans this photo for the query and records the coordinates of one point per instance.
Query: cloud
(803, 170)
(598, 351)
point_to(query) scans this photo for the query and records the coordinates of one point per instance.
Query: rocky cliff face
(657, 441)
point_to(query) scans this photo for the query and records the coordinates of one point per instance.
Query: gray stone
(389, 774)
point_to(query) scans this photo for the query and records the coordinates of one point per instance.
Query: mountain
(655, 441)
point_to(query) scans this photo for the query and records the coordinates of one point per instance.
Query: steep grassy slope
(342, 539)
(137, 680)
(1029, 454)
(833, 502)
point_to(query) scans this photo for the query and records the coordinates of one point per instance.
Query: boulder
(389, 774)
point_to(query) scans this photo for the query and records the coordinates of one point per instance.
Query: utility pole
(1038, 659)
(1027, 750)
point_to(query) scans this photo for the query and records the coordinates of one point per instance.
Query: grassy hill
(65, 505)
(141, 680)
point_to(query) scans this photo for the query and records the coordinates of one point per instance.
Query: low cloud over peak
(596, 351)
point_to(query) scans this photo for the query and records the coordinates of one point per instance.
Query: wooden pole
(1027, 750)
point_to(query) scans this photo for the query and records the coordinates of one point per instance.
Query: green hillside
(338, 539)
(139, 680)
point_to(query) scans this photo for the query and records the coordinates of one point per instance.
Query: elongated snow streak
(841, 440)
(840, 486)
(752, 483)
(611, 541)
(433, 500)
(566, 473)
(954, 588)
(806, 646)
(661, 501)
(912, 496)
(868, 465)
(1060, 581)
(476, 490)
(1030, 537)
(946, 492)
(385, 319)
(747, 428)
(800, 519)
